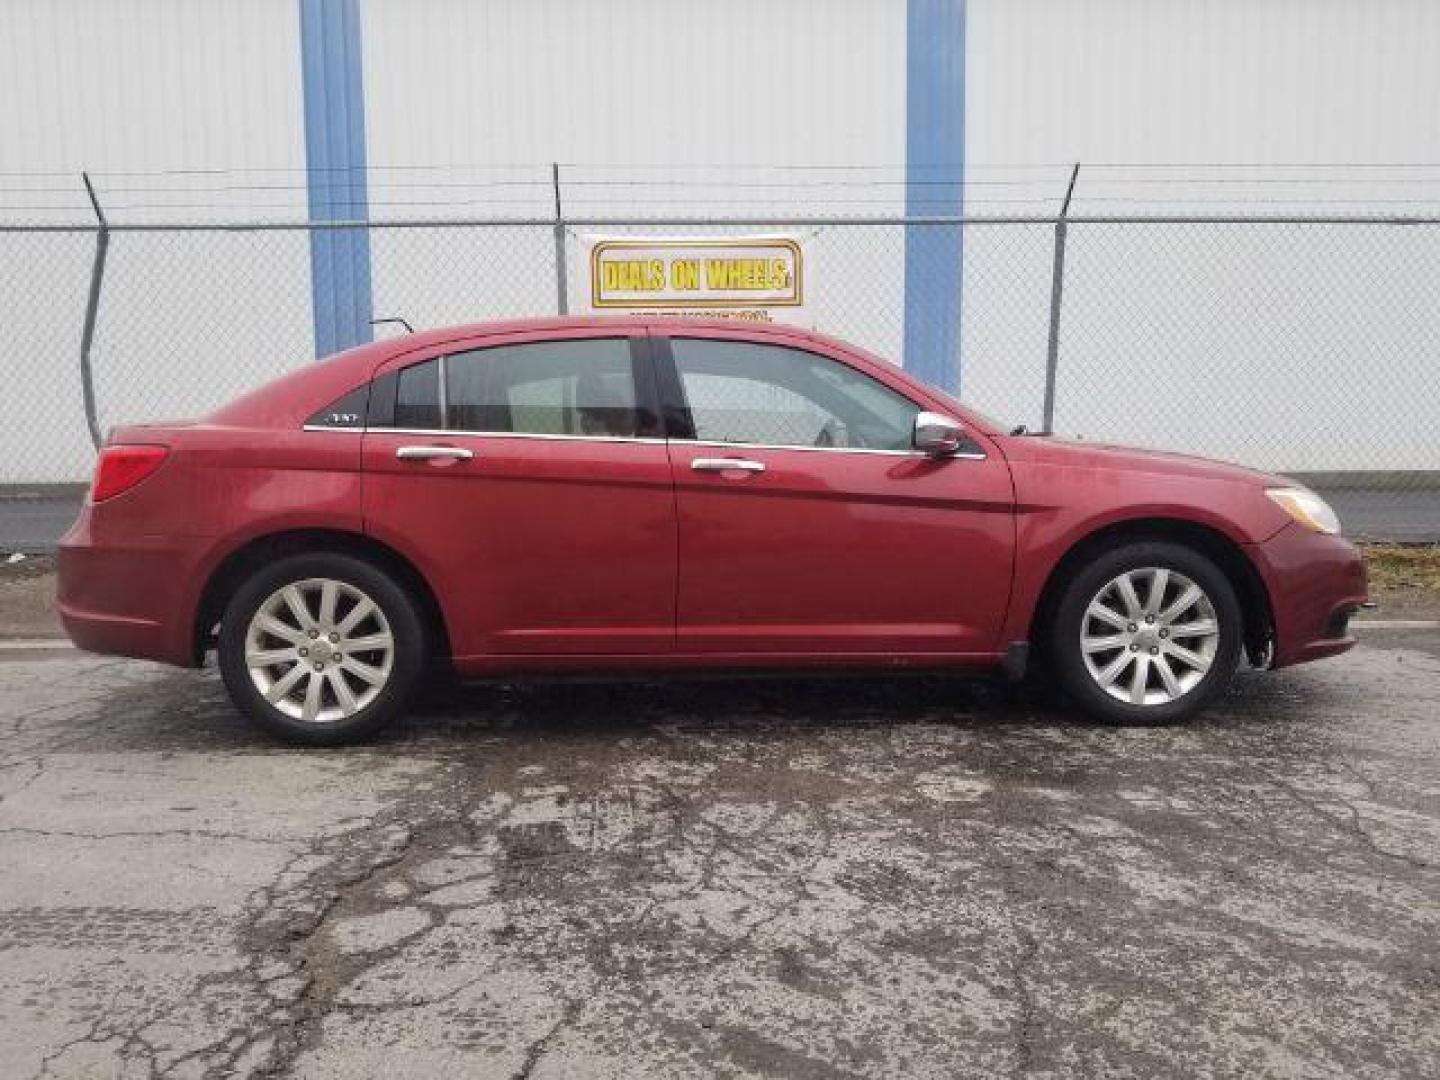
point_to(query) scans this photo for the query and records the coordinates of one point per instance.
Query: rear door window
(583, 387)
(417, 396)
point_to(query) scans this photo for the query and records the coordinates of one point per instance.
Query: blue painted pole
(934, 185)
(334, 91)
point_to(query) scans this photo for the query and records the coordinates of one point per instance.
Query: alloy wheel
(1149, 636)
(319, 650)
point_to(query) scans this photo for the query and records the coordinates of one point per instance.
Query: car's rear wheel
(321, 649)
(1149, 632)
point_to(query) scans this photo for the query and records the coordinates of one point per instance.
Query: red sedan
(640, 495)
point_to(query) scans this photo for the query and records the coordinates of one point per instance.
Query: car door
(808, 525)
(528, 477)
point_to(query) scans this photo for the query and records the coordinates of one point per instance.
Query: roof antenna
(403, 322)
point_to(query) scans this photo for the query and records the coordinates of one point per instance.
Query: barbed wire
(935, 189)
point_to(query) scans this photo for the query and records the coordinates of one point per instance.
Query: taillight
(120, 468)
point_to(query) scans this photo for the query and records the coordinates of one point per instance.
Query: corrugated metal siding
(654, 108)
(460, 94)
(148, 85)
(1204, 80)
(1263, 343)
(453, 81)
(128, 89)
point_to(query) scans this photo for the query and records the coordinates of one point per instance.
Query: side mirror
(938, 435)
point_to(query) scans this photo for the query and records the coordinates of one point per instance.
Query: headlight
(1307, 508)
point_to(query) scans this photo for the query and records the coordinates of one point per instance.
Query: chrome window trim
(444, 392)
(456, 433)
(824, 449)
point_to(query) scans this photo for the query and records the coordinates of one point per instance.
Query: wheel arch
(1228, 555)
(238, 565)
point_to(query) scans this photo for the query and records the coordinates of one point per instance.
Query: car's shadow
(719, 704)
(189, 711)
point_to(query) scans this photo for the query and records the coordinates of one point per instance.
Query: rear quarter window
(344, 412)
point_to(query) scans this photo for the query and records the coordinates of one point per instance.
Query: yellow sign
(742, 277)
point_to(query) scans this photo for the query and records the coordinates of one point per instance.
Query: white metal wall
(468, 102)
(129, 90)
(1272, 343)
(148, 85)
(1193, 81)
(647, 81)
(654, 109)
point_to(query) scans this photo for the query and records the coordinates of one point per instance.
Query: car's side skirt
(492, 665)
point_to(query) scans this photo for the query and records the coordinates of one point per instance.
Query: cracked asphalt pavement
(899, 878)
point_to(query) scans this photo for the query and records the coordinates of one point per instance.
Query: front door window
(770, 395)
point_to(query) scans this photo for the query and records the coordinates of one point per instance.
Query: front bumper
(1315, 582)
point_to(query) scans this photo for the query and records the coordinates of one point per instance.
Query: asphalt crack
(537, 1050)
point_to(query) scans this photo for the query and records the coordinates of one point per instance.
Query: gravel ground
(27, 598)
(801, 879)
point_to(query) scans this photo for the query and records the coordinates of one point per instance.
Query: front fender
(1058, 508)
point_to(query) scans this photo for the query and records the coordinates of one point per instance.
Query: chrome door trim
(426, 453)
(705, 464)
(825, 449)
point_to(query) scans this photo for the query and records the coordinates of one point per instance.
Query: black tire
(1068, 659)
(407, 658)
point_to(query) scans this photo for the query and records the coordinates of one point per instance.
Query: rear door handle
(725, 464)
(425, 453)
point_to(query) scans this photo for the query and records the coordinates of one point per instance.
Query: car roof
(439, 335)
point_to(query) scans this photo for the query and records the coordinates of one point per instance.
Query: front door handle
(426, 453)
(725, 464)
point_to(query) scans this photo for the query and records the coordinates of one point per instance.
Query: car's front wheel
(1150, 631)
(321, 649)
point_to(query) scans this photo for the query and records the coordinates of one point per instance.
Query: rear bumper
(127, 599)
(1315, 583)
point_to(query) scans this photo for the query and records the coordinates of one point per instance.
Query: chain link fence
(1306, 346)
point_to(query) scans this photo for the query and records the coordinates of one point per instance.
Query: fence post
(562, 297)
(92, 311)
(1057, 293)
